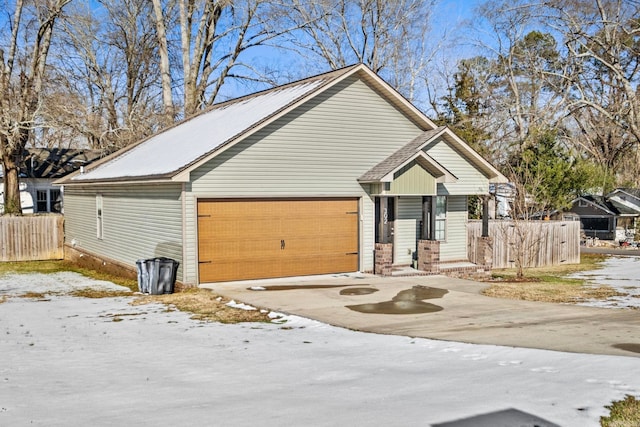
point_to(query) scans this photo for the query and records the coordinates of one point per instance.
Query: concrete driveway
(442, 308)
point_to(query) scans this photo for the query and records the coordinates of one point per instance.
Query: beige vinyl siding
(470, 180)
(320, 149)
(455, 246)
(139, 222)
(407, 229)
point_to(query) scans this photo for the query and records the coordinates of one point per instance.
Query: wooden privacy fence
(535, 243)
(32, 238)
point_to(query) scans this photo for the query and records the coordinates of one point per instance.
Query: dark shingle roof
(635, 192)
(400, 157)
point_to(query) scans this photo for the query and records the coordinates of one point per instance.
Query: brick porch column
(383, 259)
(429, 256)
(484, 251)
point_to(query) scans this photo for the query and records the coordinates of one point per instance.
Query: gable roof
(383, 171)
(172, 153)
(54, 163)
(627, 197)
(610, 206)
(597, 202)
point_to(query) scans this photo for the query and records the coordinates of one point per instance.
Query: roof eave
(147, 179)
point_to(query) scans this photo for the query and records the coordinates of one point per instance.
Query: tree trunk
(10, 166)
(165, 72)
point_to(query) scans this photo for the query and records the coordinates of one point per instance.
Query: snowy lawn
(69, 361)
(623, 275)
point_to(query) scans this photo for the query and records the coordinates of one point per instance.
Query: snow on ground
(623, 275)
(61, 282)
(74, 362)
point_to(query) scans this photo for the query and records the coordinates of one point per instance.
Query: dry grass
(98, 293)
(623, 413)
(549, 292)
(550, 284)
(33, 295)
(3, 299)
(205, 305)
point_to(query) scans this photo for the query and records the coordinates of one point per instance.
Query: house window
(99, 219)
(55, 201)
(582, 203)
(42, 201)
(441, 218)
(595, 224)
(49, 200)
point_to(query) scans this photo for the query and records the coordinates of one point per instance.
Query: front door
(385, 219)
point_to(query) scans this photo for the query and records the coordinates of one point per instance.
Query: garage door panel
(233, 270)
(251, 239)
(213, 249)
(343, 224)
(321, 245)
(337, 263)
(231, 229)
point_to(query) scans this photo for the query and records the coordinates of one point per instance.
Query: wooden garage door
(258, 239)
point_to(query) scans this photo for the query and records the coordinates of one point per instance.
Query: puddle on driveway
(294, 287)
(409, 301)
(632, 347)
(358, 291)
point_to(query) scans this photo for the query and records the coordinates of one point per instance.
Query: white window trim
(48, 199)
(442, 220)
(99, 217)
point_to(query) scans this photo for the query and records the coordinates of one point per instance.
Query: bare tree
(213, 37)
(602, 39)
(528, 88)
(22, 74)
(391, 37)
(104, 79)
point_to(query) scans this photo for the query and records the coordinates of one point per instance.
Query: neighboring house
(627, 202)
(609, 217)
(39, 168)
(598, 217)
(301, 179)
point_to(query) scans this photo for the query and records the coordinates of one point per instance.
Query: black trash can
(157, 276)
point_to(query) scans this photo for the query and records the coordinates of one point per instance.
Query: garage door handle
(282, 244)
(205, 262)
(351, 253)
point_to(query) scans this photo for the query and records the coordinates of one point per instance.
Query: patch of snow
(178, 146)
(61, 282)
(240, 305)
(620, 273)
(77, 361)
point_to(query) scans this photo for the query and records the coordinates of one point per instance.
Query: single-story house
(627, 202)
(39, 168)
(305, 178)
(610, 217)
(598, 217)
